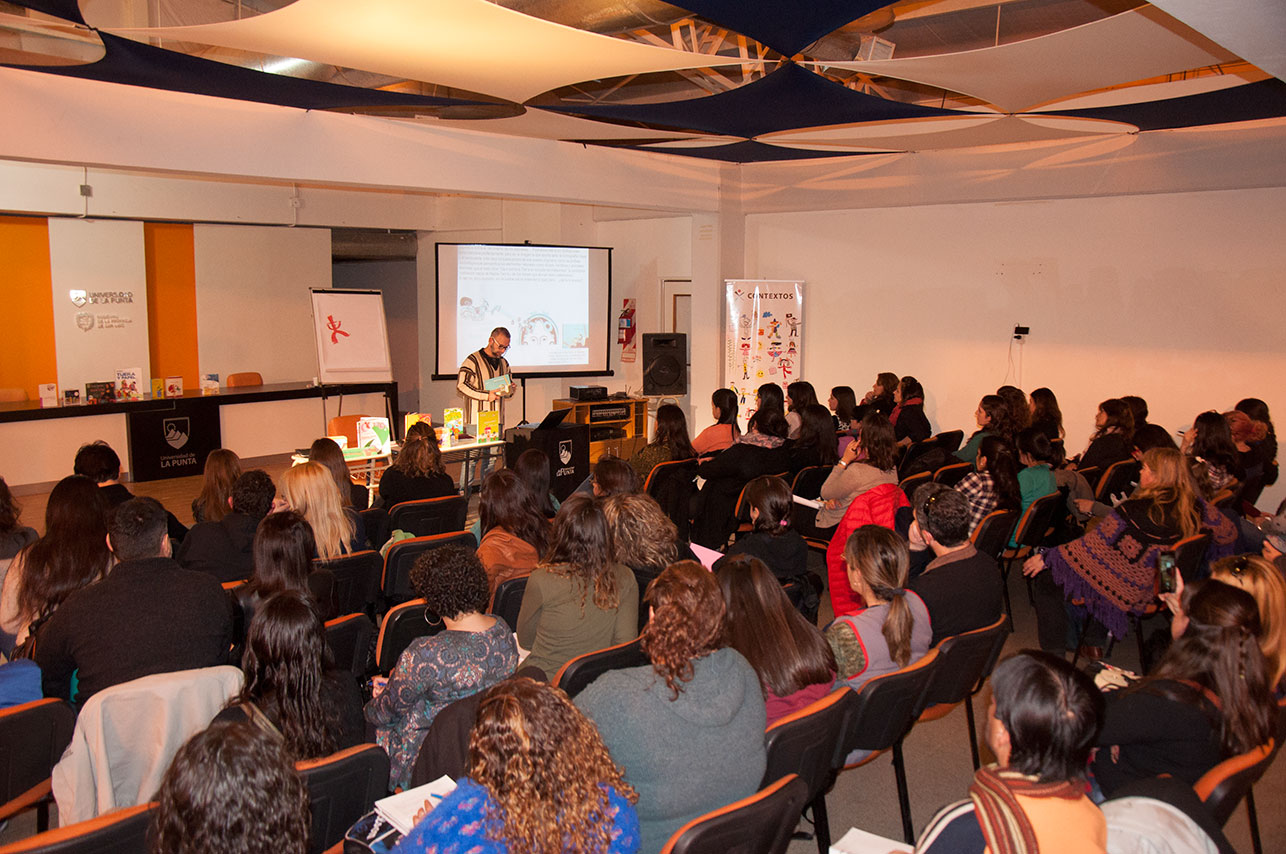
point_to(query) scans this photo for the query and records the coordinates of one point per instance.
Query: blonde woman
(1261, 579)
(310, 491)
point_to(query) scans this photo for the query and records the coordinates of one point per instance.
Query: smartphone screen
(1165, 571)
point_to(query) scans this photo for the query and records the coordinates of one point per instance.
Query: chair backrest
(123, 831)
(661, 471)
(1092, 475)
(908, 485)
(760, 824)
(949, 440)
(357, 579)
(507, 600)
(33, 737)
(344, 425)
(429, 515)
(993, 532)
(375, 520)
(914, 451)
(952, 473)
(887, 706)
(1225, 497)
(1190, 555)
(349, 639)
(1224, 786)
(396, 581)
(671, 485)
(577, 674)
(1117, 479)
(244, 378)
(342, 788)
(1036, 521)
(806, 742)
(402, 624)
(808, 481)
(964, 663)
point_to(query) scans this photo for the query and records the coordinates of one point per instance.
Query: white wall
(398, 280)
(253, 311)
(1176, 298)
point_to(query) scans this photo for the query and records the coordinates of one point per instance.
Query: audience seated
(225, 548)
(1045, 414)
(14, 536)
(1261, 579)
(1040, 725)
(799, 396)
(724, 432)
(98, 462)
(1113, 567)
(1017, 406)
(643, 537)
(993, 484)
(794, 663)
(328, 453)
(292, 687)
(539, 779)
(1211, 454)
(222, 468)
(417, 474)
(697, 700)
(72, 554)
(669, 442)
(1257, 451)
(1138, 409)
(532, 467)
(515, 532)
(761, 451)
(960, 587)
(993, 419)
(310, 491)
(283, 548)
(894, 629)
(880, 398)
(579, 599)
(781, 549)
(613, 476)
(869, 460)
(843, 403)
(232, 789)
(1113, 427)
(771, 396)
(1036, 478)
(815, 444)
(908, 419)
(149, 615)
(1208, 699)
(475, 651)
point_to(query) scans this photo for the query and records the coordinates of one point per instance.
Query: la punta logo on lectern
(78, 297)
(177, 431)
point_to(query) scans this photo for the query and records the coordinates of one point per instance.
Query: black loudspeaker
(665, 363)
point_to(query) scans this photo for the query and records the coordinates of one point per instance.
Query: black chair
(991, 537)
(965, 662)
(914, 451)
(950, 440)
(1225, 785)
(506, 602)
(807, 743)
(574, 676)
(342, 788)
(376, 521)
(396, 582)
(1190, 556)
(909, 485)
(808, 484)
(33, 737)
(123, 831)
(884, 710)
(759, 824)
(429, 515)
(1030, 532)
(349, 639)
(402, 624)
(671, 485)
(1092, 475)
(1117, 479)
(357, 580)
(952, 473)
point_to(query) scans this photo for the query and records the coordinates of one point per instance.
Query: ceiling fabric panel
(1263, 100)
(786, 28)
(466, 44)
(749, 152)
(790, 97)
(137, 64)
(1131, 46)
(1255, 30)
(546, 125)
(68, 9)
(935, 134)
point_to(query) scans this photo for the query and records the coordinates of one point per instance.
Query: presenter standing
(479, 370)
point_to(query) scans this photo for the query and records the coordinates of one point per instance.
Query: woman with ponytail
(1209, 698)
(893, 630)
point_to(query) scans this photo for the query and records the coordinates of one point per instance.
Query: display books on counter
(209, 383)
(100, 392)
(416, 418)
(174, 386)
(453, 422)
(488, 425)
(373, 432)
(48, 394)
(71, 397)
(127, 384)
(158, 388)
(400, 810)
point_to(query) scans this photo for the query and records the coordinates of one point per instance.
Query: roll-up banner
(763, 337)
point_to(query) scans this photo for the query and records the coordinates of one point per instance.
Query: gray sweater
(688, 756)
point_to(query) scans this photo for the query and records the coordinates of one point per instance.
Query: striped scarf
(1004, 824)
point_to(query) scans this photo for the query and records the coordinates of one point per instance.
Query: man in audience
(961, 587)
(98, 462)
(1041, 724)
(149, 615)
(225, 548)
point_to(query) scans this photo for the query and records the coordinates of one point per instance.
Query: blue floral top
(432, 673)
(459, 825)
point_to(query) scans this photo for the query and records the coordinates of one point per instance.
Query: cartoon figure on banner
(744, 323)
(774, 325)
(793, 322)
(745, 371)
(787, 366)
(791, 351)
(774, 350)
(759, 374)
(745, 348)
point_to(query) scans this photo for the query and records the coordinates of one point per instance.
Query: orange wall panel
(27, 356)
(171, 300)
